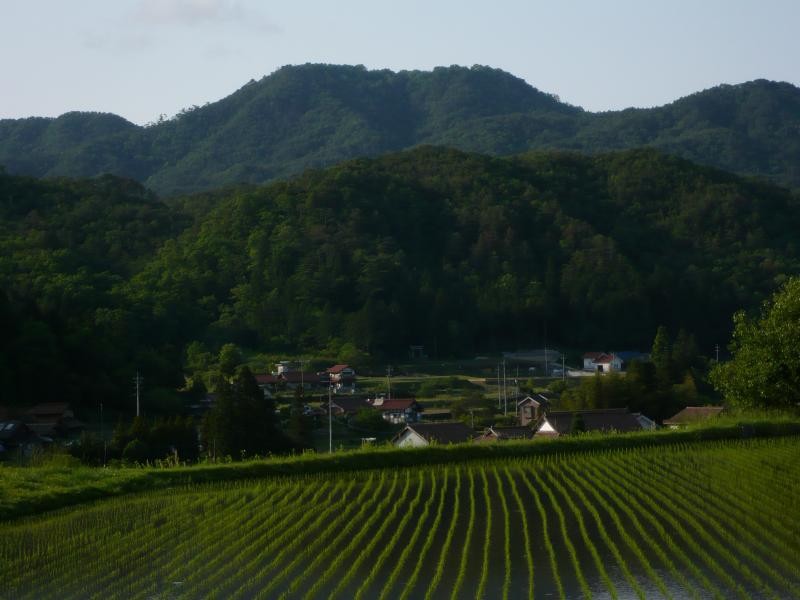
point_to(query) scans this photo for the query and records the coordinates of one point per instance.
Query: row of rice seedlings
(562, 521)
(506, 535)
(393, 540)
(284, 516)
(623, 534)
(140, 579)
(487, 501)
(329, 540)
(587, 540)
(432, 531)
(377, 538)
(610, 502)
(747, 484)
(243, 535)
(543, 523)
(635, 502)
(406, 553)
(376, 510)
(743, 541)
(465, 551)
(107, 561)
(526, 536)
(294, 522)
(36, 545)
(211, 540)
(294, 539)
(448, 540)
(91, 552)
(620, 471)
(146, 579)
(222, 573)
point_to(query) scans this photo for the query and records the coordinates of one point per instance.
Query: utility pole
(499, 391)
(563, 369)
(389, 381)
(505, 390)
(716, 347)
(103, 434)
(330, 420)
(138, 381)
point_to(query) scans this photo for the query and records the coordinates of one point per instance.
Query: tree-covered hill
(462, 253)
(317, 115)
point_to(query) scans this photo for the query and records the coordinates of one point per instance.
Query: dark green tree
(661, 356)
(765, 369)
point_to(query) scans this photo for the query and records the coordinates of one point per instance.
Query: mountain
(460, 252)
(318, 115)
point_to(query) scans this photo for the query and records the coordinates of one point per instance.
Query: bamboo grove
(698, 520)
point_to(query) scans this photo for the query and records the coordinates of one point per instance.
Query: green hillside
(462, 253)
(712, 519)
(317, 115)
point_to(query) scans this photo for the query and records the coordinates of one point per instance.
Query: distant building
(530, 409)
(693, 414)
(398, 410)
(601, 362)
(50, 420)
(558, 423)
(499, 434)
(424, 434)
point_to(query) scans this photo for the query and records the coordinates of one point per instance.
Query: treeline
(318, 115)
(461, 253)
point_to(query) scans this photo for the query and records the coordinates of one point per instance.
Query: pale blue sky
(141, 58)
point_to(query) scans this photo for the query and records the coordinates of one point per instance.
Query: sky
(145, 58)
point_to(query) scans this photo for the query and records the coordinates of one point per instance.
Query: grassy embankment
(30, 490)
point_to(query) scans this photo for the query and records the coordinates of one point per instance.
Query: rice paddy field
(694, 520)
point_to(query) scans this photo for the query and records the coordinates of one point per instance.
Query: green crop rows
(699, 520)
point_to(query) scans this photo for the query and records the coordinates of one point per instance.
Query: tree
(661, 356)
(299, 423)
(243, 422)
(230, 357)
(765, 369)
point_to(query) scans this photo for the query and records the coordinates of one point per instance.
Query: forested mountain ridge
(462, 253)
(317, 115)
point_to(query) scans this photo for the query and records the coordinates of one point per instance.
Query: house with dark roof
(425, 434)
(558, 423)
(52, 419)
(501, 434)
(398, 410)
(693, 414)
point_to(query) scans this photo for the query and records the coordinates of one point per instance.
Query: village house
(601, 362)
(50, 420)
(530, 409)
(500, 434)
(398, 410)
(558, 423)
(693, 414)
(346, 406)
(424, 434)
